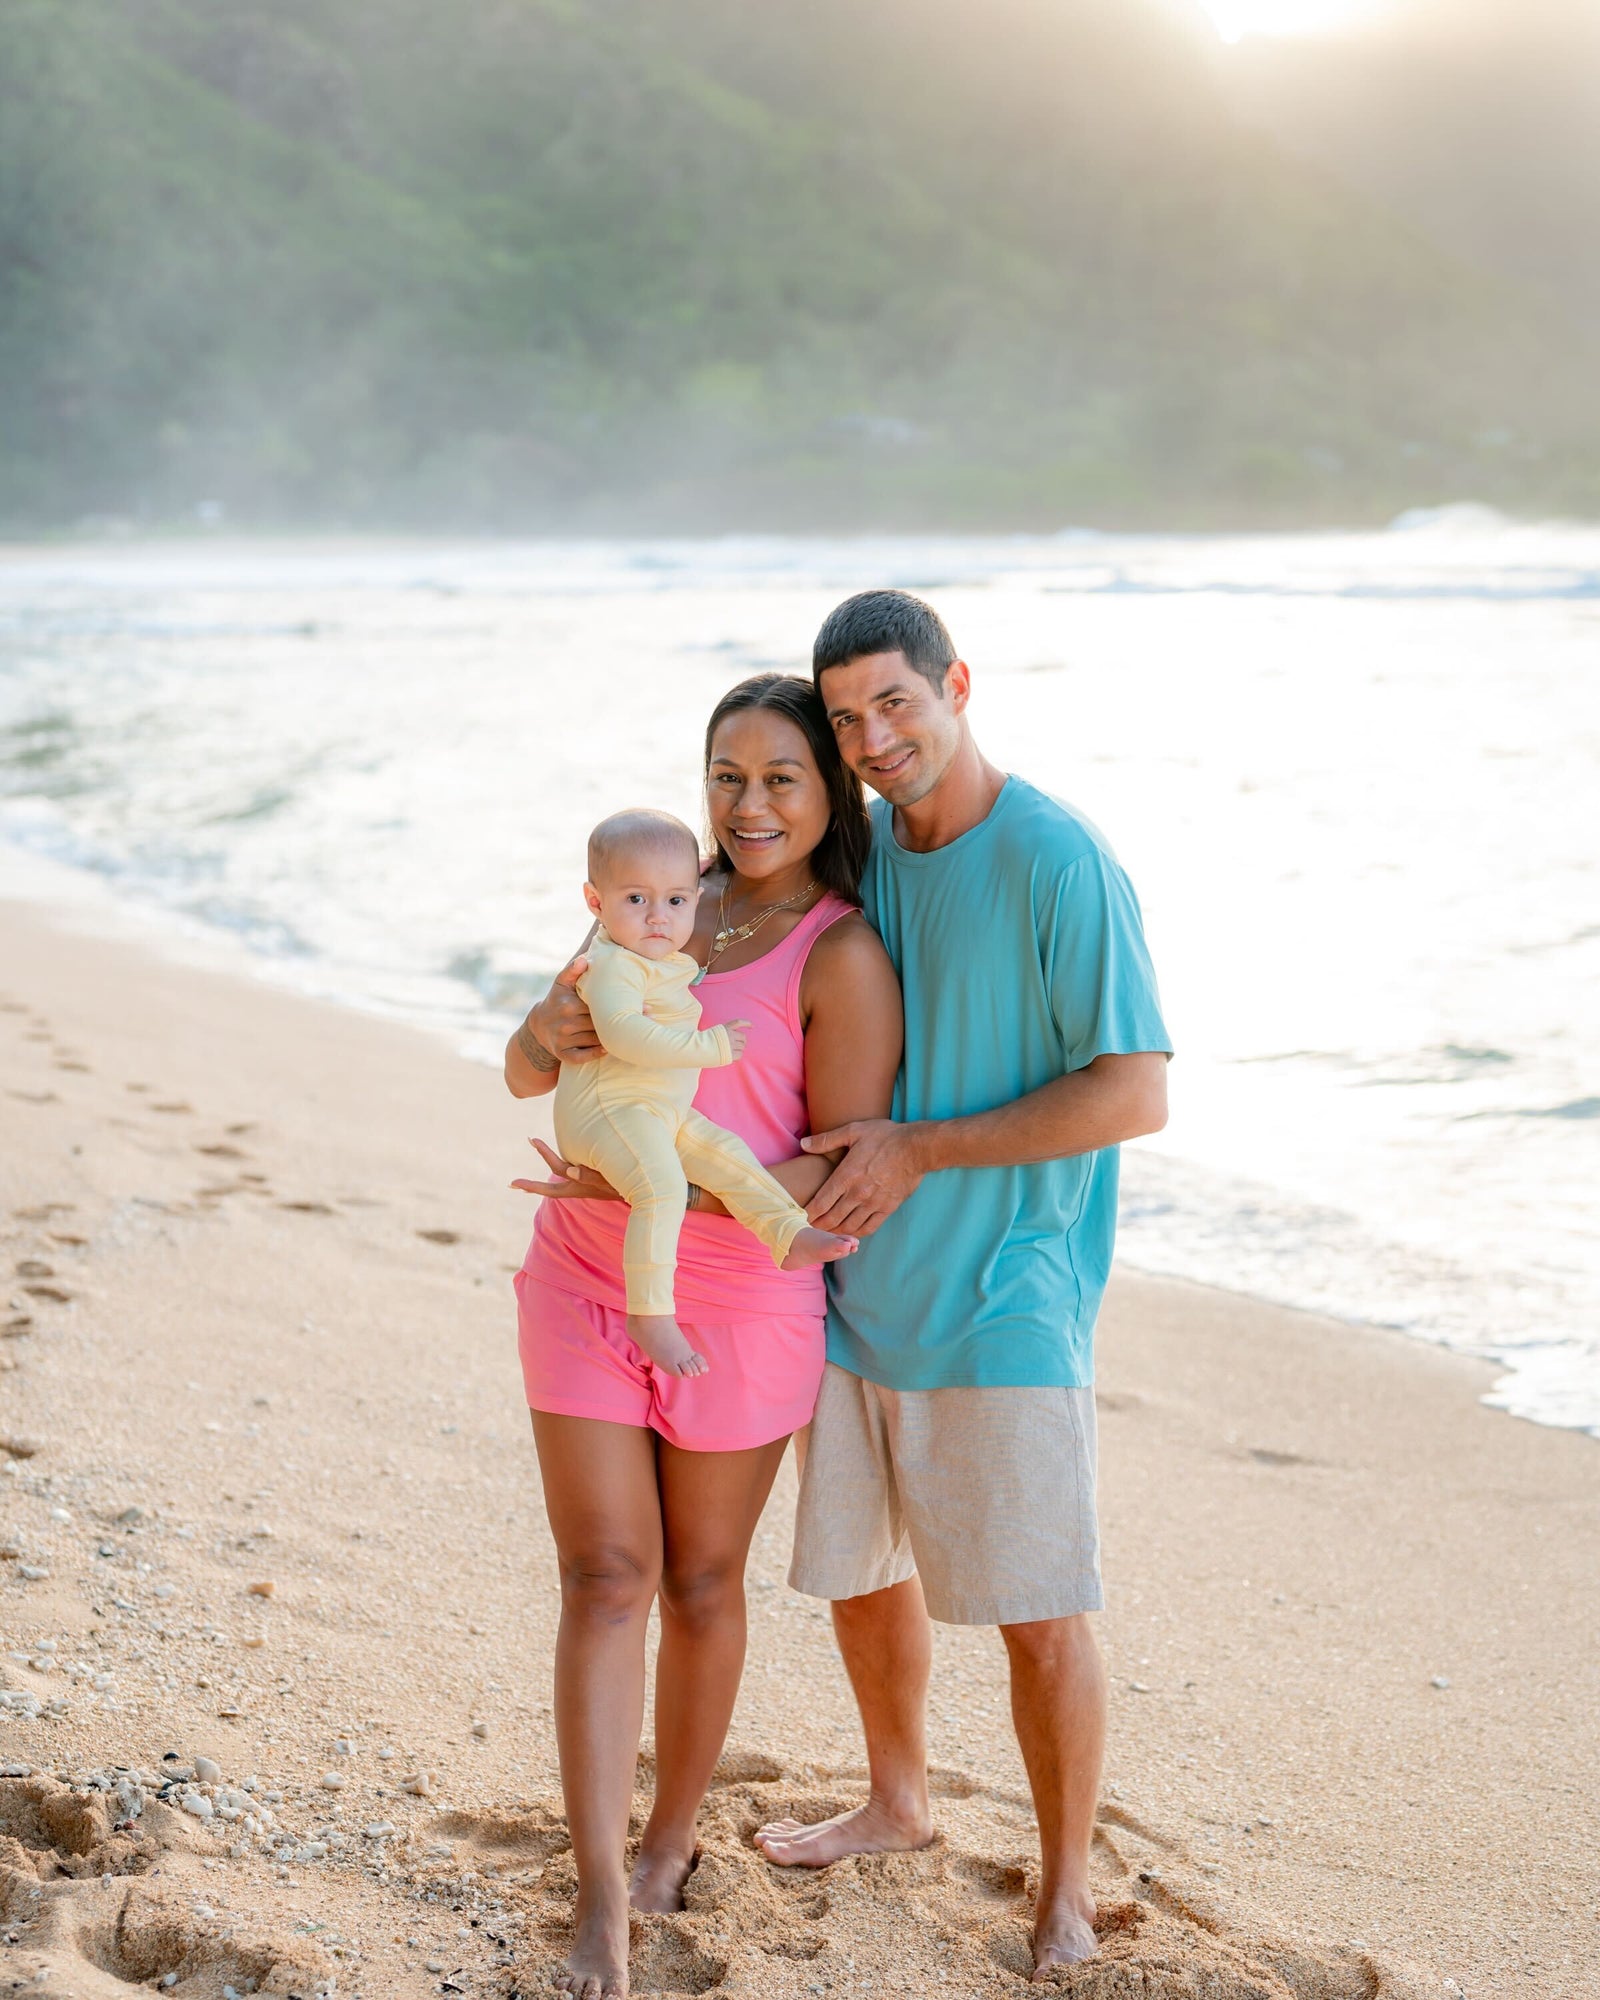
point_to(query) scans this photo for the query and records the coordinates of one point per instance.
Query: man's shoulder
(1047, 828)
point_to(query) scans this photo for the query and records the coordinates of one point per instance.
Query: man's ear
(958, 684)
(591, 895)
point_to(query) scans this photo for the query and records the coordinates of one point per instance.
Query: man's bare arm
(1115, 1098)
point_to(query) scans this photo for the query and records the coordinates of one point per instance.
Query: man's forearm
(1115, 1098)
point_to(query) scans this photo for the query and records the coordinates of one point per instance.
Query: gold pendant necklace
(728, 934)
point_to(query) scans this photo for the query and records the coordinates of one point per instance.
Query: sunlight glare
(1235, 19)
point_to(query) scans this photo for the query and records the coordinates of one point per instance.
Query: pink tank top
(723, 1272)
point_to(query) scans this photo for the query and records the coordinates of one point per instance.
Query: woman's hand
(561, 1021)
(570, 1183)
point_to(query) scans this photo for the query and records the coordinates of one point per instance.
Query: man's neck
(963, 798)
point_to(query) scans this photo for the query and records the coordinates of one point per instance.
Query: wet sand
(268, 1487)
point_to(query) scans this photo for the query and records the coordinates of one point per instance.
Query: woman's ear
(591, 895)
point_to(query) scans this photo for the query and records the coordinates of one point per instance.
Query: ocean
(1354, 776)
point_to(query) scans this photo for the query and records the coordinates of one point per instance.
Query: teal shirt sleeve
(1097, 966)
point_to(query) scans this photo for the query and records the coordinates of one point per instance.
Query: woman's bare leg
(601, 1497)
(710, 1504)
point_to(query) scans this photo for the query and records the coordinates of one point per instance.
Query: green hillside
(686, 264)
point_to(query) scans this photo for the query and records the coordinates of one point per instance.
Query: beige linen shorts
(986, 1494)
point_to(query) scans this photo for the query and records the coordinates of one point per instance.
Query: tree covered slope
(687, 264)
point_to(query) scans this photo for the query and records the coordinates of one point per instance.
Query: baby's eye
(634, 896)
(676, 900)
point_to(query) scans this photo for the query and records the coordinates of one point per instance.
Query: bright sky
(1236, 18)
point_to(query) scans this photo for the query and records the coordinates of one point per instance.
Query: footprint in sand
(222, 1151)
(956, 1915)
(34, 1096)
(43, 1211)
(97, 1925)
(176, 1107)
(439, 1235)
(307, 1207)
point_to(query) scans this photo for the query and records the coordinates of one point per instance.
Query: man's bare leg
(1058, 1704)
(887, 1648)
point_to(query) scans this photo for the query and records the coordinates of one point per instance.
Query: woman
(653, 1483)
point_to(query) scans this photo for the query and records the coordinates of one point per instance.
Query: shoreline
(84, 902)
(287, 1341)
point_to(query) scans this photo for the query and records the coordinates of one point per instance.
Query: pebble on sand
(208, 1771)
(264, 1589)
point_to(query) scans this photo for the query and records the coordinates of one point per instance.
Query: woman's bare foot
(597, 1965)
(817, 1246)
(1063, 1932)
(662, 1339)
(658, 1878)
(870, 1829)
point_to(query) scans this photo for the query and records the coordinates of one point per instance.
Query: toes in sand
(656, 1884)
(869, 1829)
(597, 1965)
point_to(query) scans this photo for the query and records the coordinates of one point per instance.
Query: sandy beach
(268, 1499)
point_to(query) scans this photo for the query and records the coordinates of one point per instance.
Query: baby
(628, 1113)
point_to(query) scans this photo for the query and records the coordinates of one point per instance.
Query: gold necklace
(728, 934)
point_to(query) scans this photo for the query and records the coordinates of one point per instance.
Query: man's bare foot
(662, 1339)
(597, 1965)
(870, 1829)
(658, 1878)
(1063, 1932)
(817, 1246)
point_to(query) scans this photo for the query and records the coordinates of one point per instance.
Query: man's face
(895, 730)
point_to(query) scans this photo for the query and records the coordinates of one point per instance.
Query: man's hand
(561, 1022)
(882, 1165)
(570, 1183)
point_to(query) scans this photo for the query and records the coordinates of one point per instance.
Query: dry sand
(269, 1498)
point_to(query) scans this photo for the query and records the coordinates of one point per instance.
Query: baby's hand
(738, 1034)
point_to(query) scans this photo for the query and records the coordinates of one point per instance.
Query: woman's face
(768, 804)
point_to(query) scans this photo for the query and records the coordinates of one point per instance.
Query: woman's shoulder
(848, 951)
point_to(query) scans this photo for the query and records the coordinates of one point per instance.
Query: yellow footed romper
(628, 1115)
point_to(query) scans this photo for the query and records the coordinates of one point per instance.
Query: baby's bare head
(644, 879)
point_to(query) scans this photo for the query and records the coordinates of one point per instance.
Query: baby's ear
(591, 895)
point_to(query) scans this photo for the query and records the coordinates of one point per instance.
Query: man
(951, 1463)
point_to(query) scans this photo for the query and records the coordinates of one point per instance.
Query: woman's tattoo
(535, 1050)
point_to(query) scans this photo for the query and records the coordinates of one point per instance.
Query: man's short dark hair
(884, 621)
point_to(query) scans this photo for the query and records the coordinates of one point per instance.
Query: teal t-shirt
(1021, 954)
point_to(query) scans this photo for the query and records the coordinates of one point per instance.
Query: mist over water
(1352, 776)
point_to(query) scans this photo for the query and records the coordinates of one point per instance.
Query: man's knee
(607, 1582)
(1058, 1643)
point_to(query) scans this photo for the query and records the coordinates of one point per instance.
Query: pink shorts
(577, 1361)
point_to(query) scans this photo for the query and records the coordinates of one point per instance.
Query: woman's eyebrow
(734, 766)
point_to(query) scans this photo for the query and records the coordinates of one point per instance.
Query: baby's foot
(817, 1246)
(662, 1339)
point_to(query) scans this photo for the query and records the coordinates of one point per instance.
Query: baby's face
(647, 901)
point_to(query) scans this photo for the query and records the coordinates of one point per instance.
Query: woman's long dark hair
(841, 854)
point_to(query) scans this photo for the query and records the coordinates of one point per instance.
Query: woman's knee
(703, 1594)
(608, 1582)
